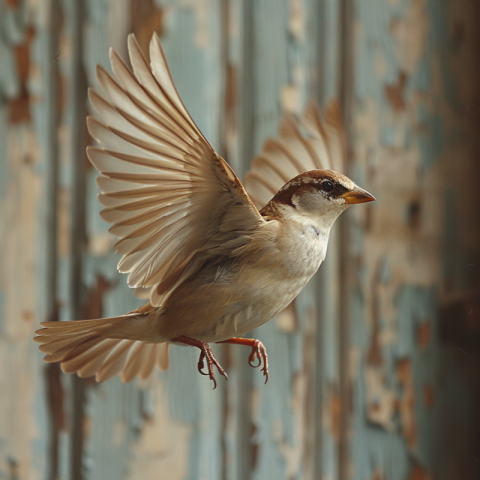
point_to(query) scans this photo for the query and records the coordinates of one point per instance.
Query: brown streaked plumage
(215, 266)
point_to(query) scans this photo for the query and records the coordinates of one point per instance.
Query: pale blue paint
(371, 446)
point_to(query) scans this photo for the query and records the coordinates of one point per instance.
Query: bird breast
(234, 296)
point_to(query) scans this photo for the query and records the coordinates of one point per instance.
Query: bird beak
(357, 195)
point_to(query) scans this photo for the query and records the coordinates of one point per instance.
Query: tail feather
(114, 364)
(91, 368)
(92, 347)
(163, 357)
(52, 346)
(149, 361)
(85, 353)
(134, 362)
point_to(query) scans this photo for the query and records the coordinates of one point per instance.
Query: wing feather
(322, 147)
(171, 200)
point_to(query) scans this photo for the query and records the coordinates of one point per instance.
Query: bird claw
(201, 364)
(259, 352)
(206, 353)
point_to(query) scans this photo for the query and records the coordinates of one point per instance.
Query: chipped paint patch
(381, 401)
(296, 19)
(163, 443)
(424, 335)
(291, 98)
(411, 35)
(395, 93)
(407, 401)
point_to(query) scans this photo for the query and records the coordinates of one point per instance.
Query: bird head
(317, 197)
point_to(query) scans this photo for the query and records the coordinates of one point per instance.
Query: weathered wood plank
(281, 60)
(24, 223)
(407, 128)
(407, 72)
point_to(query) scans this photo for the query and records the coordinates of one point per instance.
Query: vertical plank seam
(318, 394)
(345, 84)
(246, 139)
(77, 208)
(51, 223)
(222, 150)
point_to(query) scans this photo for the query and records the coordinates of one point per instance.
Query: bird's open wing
(322, 147)
(171, 200)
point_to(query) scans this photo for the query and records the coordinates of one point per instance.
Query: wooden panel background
(375, 376)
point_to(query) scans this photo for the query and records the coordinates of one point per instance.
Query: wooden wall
(375, 374)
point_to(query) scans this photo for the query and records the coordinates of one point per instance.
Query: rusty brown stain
(12, 3)
(28, 315)
(374, 355)
(377, 474)
(394, 92)
(407, 401)
(255, 447)
(94, 299)
(147, 18)
(428, 396)
(419, 473)
(19, 107)
(231, 117)
(335, 412)
(424, 334)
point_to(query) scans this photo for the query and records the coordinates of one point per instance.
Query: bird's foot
(259, 352)
(205, 354)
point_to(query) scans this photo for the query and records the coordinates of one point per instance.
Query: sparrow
(215, 265)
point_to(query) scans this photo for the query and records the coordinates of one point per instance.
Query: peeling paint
(296, 19)
(411, 34)
(405, 113)
(413, 380)
(395, 93)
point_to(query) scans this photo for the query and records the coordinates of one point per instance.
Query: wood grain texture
(362, 384)
(408, 122)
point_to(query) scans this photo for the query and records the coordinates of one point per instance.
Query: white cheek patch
(295, 200)
(338, 201)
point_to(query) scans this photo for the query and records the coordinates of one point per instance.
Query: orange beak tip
(358, 195)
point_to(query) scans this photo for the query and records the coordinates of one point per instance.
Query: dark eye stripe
(338, 191)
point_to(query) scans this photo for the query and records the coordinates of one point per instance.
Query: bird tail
(103, 347)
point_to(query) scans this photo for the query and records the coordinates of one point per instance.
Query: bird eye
(327, 186)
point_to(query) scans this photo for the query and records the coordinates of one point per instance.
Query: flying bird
(216, 262)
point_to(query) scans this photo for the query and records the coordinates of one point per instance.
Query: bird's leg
(205, 353)
(259, 352)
